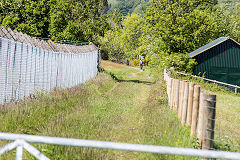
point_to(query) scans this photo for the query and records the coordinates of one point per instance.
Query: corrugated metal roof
(208, 46)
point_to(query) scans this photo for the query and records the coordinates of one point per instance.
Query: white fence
(25, 69)
(20, 142)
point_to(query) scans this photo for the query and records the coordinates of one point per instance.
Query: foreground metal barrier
(20, 142)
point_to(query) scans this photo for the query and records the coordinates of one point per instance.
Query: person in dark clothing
(127, 62)
(141, 64)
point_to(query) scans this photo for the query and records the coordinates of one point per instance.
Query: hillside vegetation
(168, 31)
(230, 5)
(129, 6)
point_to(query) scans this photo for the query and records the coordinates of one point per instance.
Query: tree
(78, 20)
(28, 16)
(130, 35)
(111, 44)
(66, 19)
(181, 25)
(235, 23)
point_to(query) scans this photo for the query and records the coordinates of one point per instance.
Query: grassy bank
(131, 109)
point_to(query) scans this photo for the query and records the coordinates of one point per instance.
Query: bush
(180, 62)
(145, 60)
(135, 62)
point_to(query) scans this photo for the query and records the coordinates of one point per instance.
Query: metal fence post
(16, 71)
(5, 49)
(19, 153)
(56, 76)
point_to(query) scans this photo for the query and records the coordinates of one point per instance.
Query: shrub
(135, 62)
(145, 60)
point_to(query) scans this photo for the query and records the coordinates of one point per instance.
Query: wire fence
(214, 119)
(227, 125)
(26, 69)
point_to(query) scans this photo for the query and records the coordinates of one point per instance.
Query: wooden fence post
(208, 139)
(172, 94)
(190, 103)
(167, 83)
(181, 100)
(175, 107)
(185, 103)
(195, 110)
(200, 123)
(180, 96)
(206, 121)
(170, 90)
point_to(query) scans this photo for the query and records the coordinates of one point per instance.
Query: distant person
(141, 64)
(127, 62)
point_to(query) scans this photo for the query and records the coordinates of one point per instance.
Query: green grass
(130, 74)
(102, 109)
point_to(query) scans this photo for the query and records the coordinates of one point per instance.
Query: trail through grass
(131, 109)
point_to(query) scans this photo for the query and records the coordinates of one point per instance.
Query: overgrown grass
(227, 124)
(102, 109)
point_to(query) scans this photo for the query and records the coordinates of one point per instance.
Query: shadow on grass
(124, 80)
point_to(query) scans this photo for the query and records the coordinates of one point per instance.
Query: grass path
(131, 123)
(128, 109)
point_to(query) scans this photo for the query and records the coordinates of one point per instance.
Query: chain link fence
(26, 69)
(227, 124)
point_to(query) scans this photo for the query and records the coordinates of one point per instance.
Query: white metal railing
(20, 142)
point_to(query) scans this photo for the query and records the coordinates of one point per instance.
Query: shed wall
(221, 63)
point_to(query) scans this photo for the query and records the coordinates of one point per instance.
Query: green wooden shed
(219, 60)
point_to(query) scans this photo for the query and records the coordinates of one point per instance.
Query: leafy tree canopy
(65, 19)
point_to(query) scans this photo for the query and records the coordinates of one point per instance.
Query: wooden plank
(181, 100)
(196, 98)
(176, 104)
(190, 104)
(185, 103)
